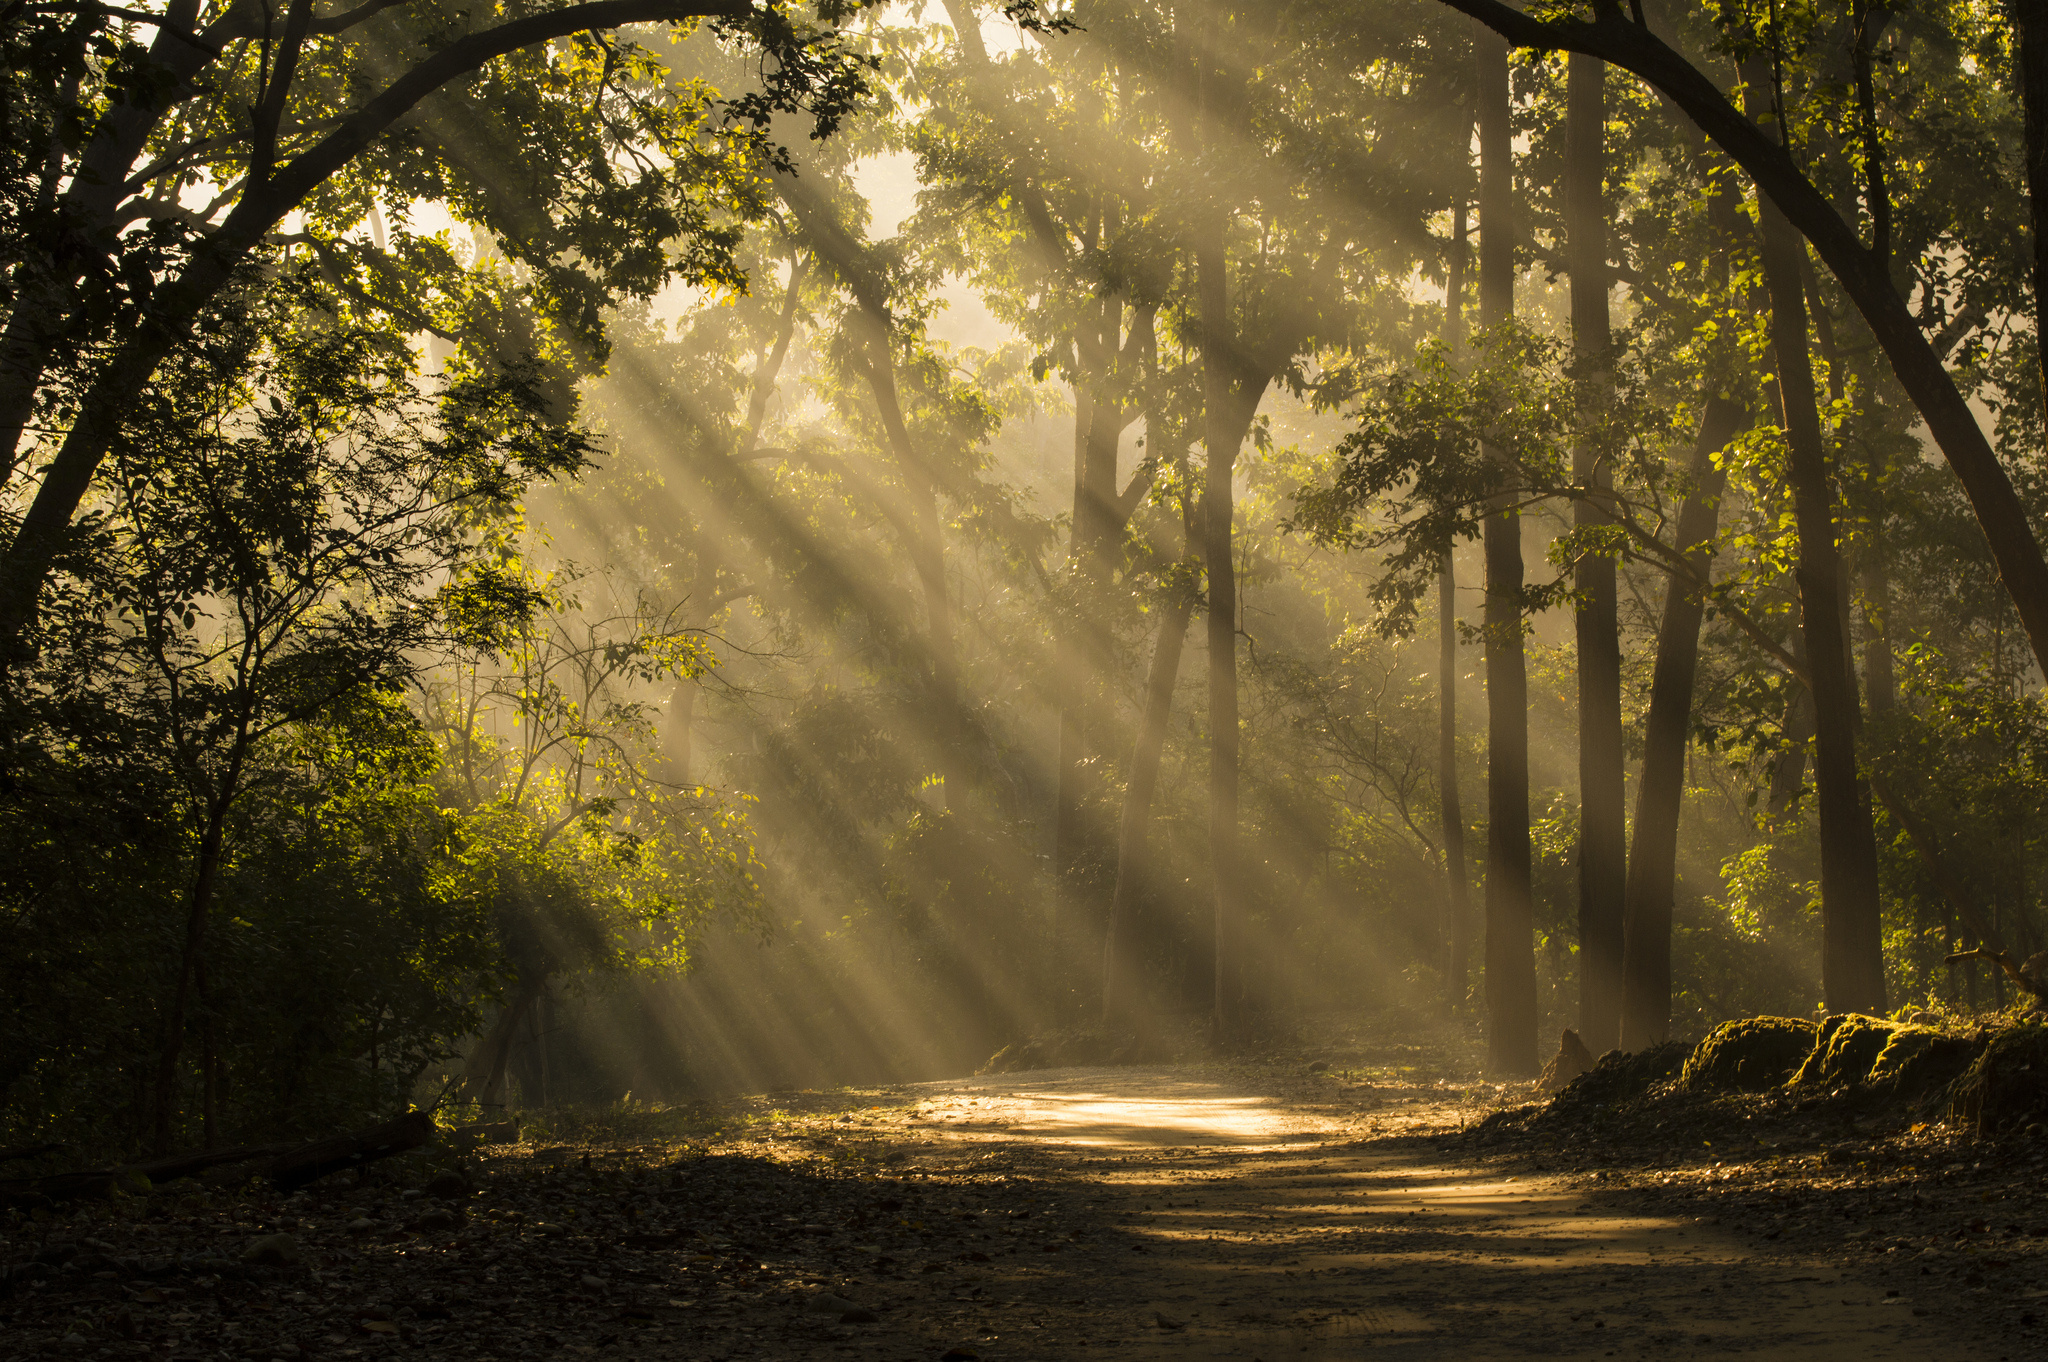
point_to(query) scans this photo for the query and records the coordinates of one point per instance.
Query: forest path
(1200, 1217)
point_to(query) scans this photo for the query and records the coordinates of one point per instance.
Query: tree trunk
(1603, 833)
(1121, 989)
(928, 560)
(2008, 530)
(1083, 646)
(1220, 438)
(1880, 682)
(1852, 956)
(1510, 912)
(1653, 861)
(206, 877)
(1457, 888)
(492, 1053)
(2030, 17)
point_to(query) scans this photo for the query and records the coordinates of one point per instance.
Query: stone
(272, 1250)
(448, 1186)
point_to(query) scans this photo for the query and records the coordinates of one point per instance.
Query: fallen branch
(2004, 961)
(288, 1166)
(293, 1170)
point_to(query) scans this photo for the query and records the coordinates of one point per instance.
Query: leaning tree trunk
(484, 1070)
(1510, 911)
(1852, 953)
(1603, 815)
(1660, 791)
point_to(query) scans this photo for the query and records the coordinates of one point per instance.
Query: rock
(1754, 1055)
(272, 1250)
(448, 1186)
(859, 1317)
(593, 1283)
(362, 1224)
(1571, 1060)
(438, 1219)
(829, 1304)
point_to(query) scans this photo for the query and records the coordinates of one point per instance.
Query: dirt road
(1203, 1219)
(1192, 1214)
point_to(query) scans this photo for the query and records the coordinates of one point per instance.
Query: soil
(1193, 1212)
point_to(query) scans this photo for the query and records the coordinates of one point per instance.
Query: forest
(632, 549)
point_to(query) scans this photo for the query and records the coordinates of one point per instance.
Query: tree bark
(1852, 955)
(488, 1060)
(2030, 18)
(1510, 912)
(199, 905)
(1457, 887)
(1220, 439)
(1660, 790)
(1603, 835)
(1120, 973)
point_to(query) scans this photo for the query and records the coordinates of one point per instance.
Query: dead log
(467, 1138)
(191, 1165)
(297, 1167)
(288, 1166)
(18, 1152)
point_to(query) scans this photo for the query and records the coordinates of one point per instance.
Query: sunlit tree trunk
(1602, 783)
(1083, 647)
(1457, 889)
(1510, 916)
(1121, 983)
(1660, 790)
(1221, 438)
(1852, 956)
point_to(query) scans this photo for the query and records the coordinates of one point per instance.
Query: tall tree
(1052, 147)
(1602, 781)
(1852, 952)
(1616, 37)
(1457, 889)
(1660, 789)
(1510, 907)
(152, 139)
(1121, 996)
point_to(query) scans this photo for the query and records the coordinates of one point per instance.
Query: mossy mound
(1619, 1078)
(1754, 1055)
(1845, 1051)
(2006, 1083)
(1919, 1063)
